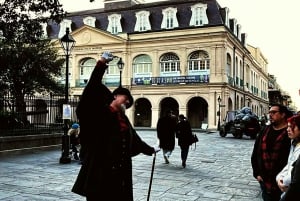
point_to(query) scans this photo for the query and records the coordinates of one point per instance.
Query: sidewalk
(218, 170)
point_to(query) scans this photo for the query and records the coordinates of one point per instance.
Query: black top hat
(124, 91)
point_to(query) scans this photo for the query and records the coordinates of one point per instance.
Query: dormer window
(199, 17)
(90, 21)
(169, 18)
(63, 26)
(114, 24)
(239, 30)
(142, 21)
(227, 17)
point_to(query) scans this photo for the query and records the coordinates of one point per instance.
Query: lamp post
(120, 65)
(219, 114)
(67, 43)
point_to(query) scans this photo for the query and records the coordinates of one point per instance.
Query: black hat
(124, 91)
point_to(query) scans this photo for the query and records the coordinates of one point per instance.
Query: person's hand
(156, 148)
(259, 179)
(282, 187)
(107, 56)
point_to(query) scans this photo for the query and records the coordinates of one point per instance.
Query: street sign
(222, 105)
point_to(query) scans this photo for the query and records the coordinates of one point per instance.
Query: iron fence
(43, 114)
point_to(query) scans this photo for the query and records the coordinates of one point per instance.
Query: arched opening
(142, 113)
(197, 112)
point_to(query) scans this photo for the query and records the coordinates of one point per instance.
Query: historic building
(188, 56)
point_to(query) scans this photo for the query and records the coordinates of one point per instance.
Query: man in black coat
(166, 127)
(108, 140)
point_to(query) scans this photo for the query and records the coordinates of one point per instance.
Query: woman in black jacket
(108, 140)
(184, 135)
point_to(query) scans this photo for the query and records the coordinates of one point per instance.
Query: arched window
(142, 64)
(229, 69)
(86, 67)
(228, 65)
(199, 61)
(170, 64)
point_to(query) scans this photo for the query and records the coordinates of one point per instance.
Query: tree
(28, 62)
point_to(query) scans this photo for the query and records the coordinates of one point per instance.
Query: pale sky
(269, 25)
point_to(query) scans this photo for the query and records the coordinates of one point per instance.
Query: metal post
(120, 65)
(219, 113)
(65, 157)
(67, 43)
(120, 84)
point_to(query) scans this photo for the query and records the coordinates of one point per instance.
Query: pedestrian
(108, 139)
(166, 127)
(73, 132)
(270, 152)
(284, 176)
(293, 192)
(184, 135)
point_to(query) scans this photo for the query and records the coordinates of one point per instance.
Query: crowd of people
(275, 157)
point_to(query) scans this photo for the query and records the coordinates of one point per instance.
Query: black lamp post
(120, 66)
(219, 114)
(67, 42)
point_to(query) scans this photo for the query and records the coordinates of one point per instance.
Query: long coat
(106, 171)
(184, 133)
(166, 127)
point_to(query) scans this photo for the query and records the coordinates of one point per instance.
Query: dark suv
(239, 124)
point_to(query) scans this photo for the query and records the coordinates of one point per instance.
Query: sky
(270, 26)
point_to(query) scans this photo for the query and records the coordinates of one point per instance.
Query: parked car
(228, 124)
(239, 123)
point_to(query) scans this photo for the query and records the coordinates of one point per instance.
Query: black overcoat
(106, 171)
(166, 127)
(184, 133)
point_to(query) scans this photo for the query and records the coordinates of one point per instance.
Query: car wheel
(222, 133)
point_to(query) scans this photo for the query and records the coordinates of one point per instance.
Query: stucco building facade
(178, 55)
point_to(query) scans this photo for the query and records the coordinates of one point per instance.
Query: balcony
(192, 79)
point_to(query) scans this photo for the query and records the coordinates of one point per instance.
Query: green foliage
(28, 62)
(21, 20)
(27, 69)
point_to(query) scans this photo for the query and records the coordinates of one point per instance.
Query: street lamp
(219, 114)
(67, 43)
(120, 65)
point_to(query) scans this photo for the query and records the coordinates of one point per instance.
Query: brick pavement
(218, 170)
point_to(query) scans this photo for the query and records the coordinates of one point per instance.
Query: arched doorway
(168, 104)
(197, 112)
(142, 113)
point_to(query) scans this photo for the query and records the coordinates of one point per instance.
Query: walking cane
(151, 177)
